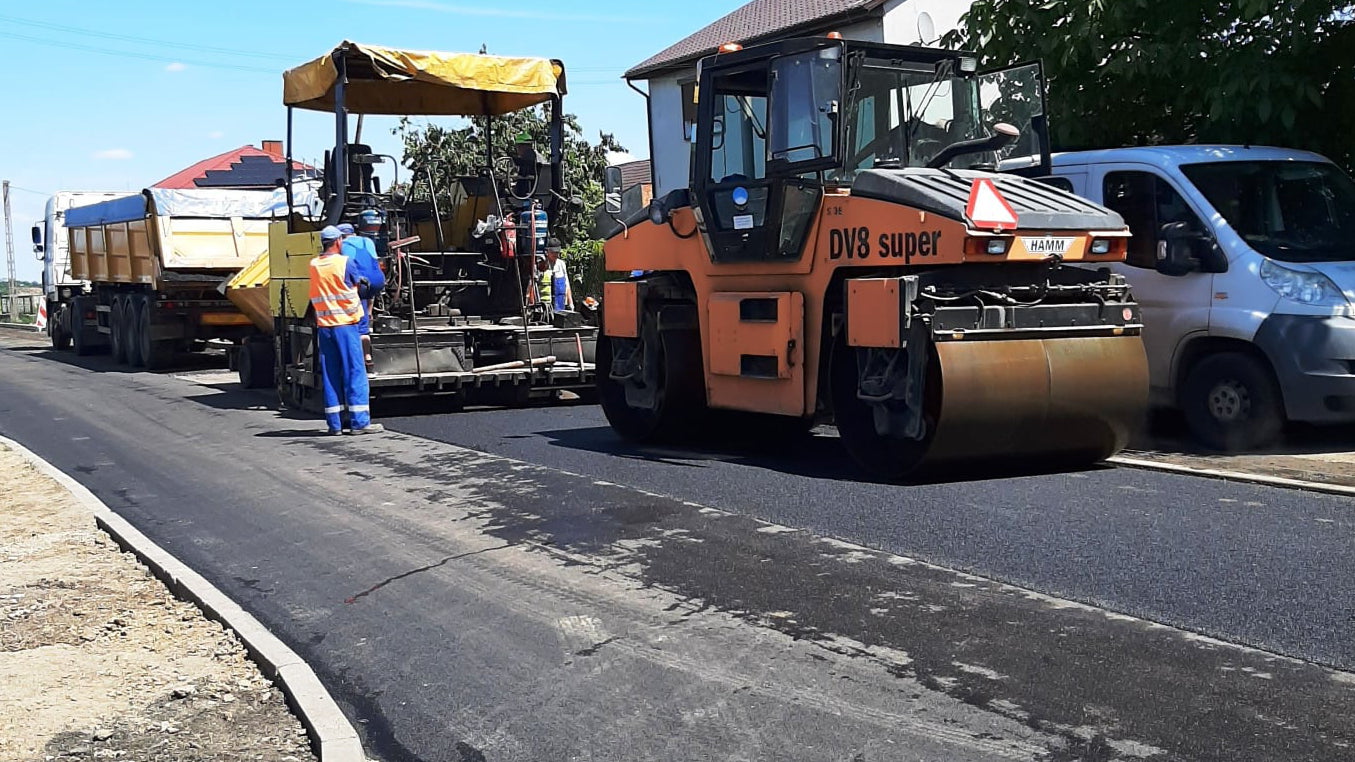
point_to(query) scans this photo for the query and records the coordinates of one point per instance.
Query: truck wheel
(254, 362)
(664, 366)
(61, 338)
(131, 335)
(79, 334)
(1232, 403)
(117, 342)
(154, 354)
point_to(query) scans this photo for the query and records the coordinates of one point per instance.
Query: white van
(1243, 260)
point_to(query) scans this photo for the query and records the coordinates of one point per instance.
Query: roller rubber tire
(682, 387)
(1232, 403)
(882, 457)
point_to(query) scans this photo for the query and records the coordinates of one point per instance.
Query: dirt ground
(99, 661)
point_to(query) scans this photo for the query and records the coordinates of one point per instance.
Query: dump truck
(454, 319)
(154, 263)
(846, 252)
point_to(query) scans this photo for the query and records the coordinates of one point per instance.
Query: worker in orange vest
(334, 282)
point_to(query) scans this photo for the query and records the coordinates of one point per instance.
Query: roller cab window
(772, 132)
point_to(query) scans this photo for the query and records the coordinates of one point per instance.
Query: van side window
(1146, 202)
(1062, 183)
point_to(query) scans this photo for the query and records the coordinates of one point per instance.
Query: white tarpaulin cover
(210, 203)
(218, 203)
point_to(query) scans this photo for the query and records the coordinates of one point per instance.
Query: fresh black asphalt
(1268, 567)
(581, 599)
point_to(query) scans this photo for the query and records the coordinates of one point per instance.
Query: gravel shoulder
(99, 660)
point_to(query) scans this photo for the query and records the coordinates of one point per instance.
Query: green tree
(1144, 72)
(453, 151)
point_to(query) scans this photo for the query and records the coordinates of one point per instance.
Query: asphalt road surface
(516, 585)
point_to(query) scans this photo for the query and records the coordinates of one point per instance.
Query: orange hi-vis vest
(336, 303)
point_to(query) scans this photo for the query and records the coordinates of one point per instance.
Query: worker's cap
(553, 245)
(329, 234)
(346, 229)
(371, 218)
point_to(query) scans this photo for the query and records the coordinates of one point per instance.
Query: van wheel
(1232, 403)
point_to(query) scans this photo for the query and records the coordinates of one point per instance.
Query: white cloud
(216, 134)
(176, 66)
(467, 10)
(113, 153)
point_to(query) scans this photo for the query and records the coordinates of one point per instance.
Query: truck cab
(51, 247)
(1243, 261)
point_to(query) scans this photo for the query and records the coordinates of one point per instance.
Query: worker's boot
(367, 353)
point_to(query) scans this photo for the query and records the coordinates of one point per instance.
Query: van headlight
(1302, 286)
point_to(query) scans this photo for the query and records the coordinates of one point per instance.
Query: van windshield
(1292, 211)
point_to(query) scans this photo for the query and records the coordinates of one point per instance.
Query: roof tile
(753, 22)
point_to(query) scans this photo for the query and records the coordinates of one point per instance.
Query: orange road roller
(863, 239)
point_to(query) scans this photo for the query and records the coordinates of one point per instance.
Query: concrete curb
(332, 736)
(1236, 476)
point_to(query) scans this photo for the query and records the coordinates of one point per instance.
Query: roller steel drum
(1065, 399)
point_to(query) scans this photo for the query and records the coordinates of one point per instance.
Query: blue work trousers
(345, 377)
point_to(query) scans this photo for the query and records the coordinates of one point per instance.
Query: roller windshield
(903, 114)
(1286, 210)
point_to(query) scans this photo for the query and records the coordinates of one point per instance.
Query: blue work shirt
(361, 253)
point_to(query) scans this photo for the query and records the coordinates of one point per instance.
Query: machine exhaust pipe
(1003, 135)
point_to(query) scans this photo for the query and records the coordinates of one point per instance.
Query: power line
(130, 54)
(141, 40)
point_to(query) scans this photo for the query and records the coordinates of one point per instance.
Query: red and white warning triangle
(987, 208)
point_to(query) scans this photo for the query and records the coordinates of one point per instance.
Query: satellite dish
(926, 28)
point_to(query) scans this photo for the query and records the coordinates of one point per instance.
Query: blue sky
(118, 95)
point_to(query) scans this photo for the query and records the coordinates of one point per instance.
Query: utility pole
(9, 256)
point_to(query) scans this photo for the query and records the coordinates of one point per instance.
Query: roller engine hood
(1038, 206)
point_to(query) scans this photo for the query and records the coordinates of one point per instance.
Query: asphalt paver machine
(455, 317)
(847, 251)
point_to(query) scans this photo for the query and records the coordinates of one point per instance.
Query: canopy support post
(339, 160)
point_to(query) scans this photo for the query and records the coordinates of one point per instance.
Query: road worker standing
(334, 281)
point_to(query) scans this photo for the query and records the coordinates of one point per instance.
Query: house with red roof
(243, 168)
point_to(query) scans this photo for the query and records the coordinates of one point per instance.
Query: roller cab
(845, 251)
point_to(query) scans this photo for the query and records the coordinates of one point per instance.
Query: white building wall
(671, 151)
(921, 22)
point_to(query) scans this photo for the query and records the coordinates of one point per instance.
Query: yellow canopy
(418, 82)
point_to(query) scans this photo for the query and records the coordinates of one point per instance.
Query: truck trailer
(153, 263)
